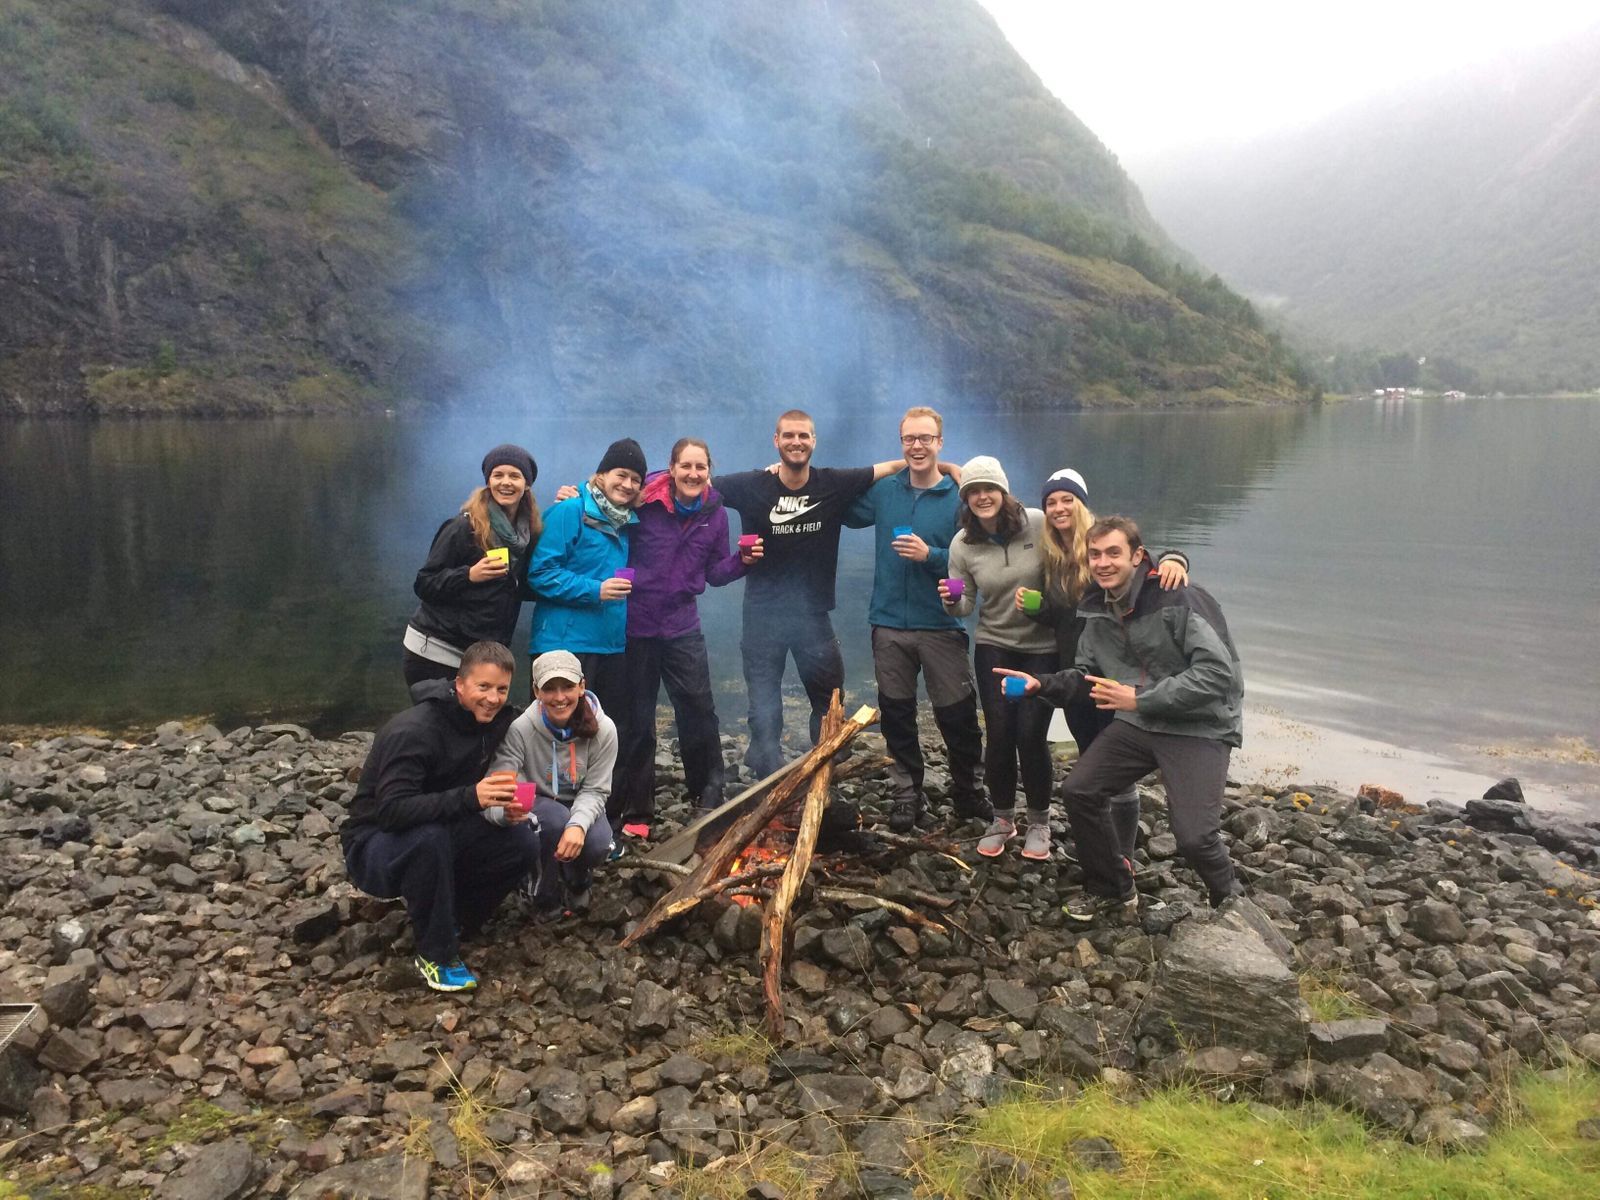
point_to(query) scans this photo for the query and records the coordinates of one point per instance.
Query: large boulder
(1222, 983)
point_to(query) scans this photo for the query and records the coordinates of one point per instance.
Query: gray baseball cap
(556, 664)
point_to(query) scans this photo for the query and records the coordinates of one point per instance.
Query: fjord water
(1419, 575)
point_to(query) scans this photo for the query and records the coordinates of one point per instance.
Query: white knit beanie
(986, 471)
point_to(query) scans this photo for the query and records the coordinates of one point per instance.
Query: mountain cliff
(324, 204)
(1454, 218)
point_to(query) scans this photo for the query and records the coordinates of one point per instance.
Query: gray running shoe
(1037, 843)
(993, 842)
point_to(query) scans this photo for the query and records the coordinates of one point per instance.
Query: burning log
(775, 934)
(689, 893)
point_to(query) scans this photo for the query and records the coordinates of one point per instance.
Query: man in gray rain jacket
(1164, 663)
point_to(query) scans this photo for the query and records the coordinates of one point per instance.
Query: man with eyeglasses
(796, 512)
(913, 514)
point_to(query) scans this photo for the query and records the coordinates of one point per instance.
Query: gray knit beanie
(984, 470)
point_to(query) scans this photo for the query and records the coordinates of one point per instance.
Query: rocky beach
(222, 1015)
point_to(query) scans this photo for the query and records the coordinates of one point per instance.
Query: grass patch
(743, 1047)
(1182, 1142)
(1329, 998)
(796, 1176)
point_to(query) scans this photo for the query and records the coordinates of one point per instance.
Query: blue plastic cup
(1014, 688)
(901, 531)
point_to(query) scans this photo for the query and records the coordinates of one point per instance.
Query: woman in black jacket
(473, 584)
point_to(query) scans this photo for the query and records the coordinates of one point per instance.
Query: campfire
(768, 853)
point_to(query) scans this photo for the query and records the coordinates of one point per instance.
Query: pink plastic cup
(625, 573)
(955, 587)
(747, 541)
(527, 793)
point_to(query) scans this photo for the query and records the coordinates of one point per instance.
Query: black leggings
(418, 669)
(1016, 731)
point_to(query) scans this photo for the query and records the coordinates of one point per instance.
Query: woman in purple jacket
(679, 545)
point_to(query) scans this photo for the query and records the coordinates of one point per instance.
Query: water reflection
(1385, 568)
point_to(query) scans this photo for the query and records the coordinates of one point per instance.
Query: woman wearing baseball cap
(565, 746)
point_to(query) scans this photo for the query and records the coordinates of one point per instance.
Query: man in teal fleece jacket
(913, 513)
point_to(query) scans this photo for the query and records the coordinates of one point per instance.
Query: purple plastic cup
(1014, 688)
(955, 587)
(624, 573)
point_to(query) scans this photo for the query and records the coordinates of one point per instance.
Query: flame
(755, 855)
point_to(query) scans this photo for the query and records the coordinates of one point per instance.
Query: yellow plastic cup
(501, 555)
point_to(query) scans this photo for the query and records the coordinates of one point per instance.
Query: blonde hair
(922, 410)
(477, 509)
(1066, 566)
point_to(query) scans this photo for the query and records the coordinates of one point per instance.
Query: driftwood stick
(644, 864)
(687, 894)
(775, 929)
(856, 767)
(910, 915)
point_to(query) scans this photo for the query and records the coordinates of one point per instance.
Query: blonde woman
(471, 588)
(1065, 556)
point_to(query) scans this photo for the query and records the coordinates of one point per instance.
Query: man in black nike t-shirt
(788, 593)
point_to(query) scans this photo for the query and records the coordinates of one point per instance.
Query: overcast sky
(1152, 76)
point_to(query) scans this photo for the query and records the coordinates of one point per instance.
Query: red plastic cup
(955, 587)
(624, 573)
(747, 541)
(527, 793)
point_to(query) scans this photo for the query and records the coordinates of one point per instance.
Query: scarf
(513, 537)
(617, 516)
(685, 509)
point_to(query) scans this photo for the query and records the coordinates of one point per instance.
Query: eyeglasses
(918, 439)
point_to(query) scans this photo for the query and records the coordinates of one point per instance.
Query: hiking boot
(1037, 844)
(904, 812)
(615, 851)
(1102, 910)
(636, 829)
(451, 977)
(974, 806)
(993, 842)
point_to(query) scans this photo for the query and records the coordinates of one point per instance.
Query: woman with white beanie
(999, 549)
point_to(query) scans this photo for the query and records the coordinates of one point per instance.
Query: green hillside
(1453, 220)
(288, 204)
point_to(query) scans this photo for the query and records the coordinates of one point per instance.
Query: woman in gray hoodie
(997, 550)
(563, 750)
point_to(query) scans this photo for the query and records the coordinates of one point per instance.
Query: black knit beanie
(507, 455)
(624, 452)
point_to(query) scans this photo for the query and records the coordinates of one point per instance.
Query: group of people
(464, 797)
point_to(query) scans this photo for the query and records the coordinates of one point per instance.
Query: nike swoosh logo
(777, 518)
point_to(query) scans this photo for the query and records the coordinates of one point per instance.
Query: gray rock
(1444, 1130)
(685, 1071)
(1222, 984)
(653, 1008)
(637, 1117)
(1498, 816)
(66, 1003)
(1438, 922)
(1343, 1041)
(392, 1177)
(1096, 1154)
(563, 1102)
(1497, 985)
(224, 1170)
(69, 935)
(849, 946)
(69, 1052)
(969, 1069)
(19, 1079)
(1007, 999)
(126, 1095)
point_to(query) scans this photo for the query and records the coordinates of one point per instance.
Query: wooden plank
(679, 848)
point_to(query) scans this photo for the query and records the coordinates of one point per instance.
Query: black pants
(418, 669)
(1017, 731)
(681, 664)
(451, 874)
(1195, 770)
(770, 638)
(1087, 723)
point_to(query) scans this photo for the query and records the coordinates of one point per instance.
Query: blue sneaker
(454, 977)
